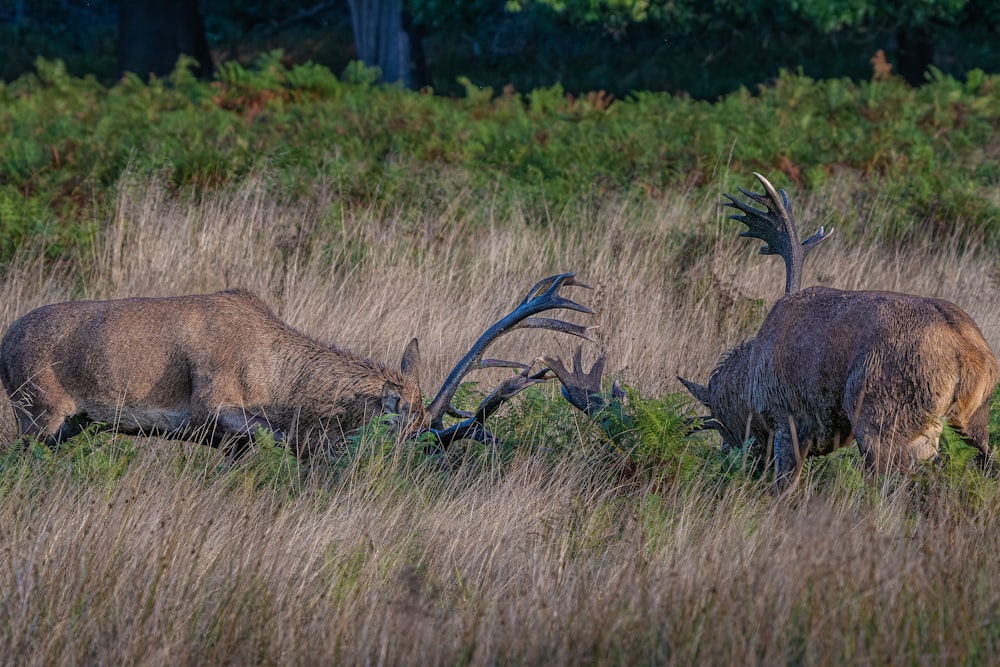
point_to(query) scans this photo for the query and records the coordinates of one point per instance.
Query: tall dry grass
(180, 560)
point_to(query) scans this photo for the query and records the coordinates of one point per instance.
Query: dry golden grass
(181, 561)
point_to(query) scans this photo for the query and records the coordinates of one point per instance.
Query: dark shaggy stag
(213, 368)
(829, 366)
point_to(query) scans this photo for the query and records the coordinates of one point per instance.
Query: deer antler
(777, 229)
(582, 388)
(540, 298)
(474, 426)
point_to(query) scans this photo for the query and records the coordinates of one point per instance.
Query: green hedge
(67, 141)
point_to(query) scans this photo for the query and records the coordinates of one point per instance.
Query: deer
(216, 368)
(829, 367)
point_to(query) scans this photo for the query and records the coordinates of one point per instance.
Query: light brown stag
(213, 368)
(829, 366)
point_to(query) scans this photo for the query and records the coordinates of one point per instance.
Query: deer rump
(830, 366)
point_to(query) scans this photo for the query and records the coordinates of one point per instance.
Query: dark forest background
(702, 49)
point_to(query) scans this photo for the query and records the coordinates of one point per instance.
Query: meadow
(557, 547)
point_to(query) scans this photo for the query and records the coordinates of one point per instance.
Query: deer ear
(699, 391)
(410, 364)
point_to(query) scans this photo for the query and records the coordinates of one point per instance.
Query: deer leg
(234, 421)
(219, 421)
(890, 435)
(786, 460)
(866, 449)
(886, 447)
(974, 433)
(229, 429)
(234, 431)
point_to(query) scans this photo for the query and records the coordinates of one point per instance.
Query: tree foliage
(705, 49)
(693, 15)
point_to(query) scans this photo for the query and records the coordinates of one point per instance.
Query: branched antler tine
(774, 225)
(783, 207)
(507, 389)
(551, 303)
(597, 370)
(540, 288)
(474, 426)
(502, 363)
(547, 287)
(556, 365)
(538, 299)
(466, 430)
(617, 391)
(558, 325)
(760, 199)
(581, 388)
(578, 377)
(776, 228)
(541, 297)
(813, 241)
(452, 411)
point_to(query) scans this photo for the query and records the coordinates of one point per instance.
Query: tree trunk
(916, 52)
(381, 40)
(153, 34)
(419, 74)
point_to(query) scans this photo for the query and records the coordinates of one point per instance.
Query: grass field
(156, 552)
